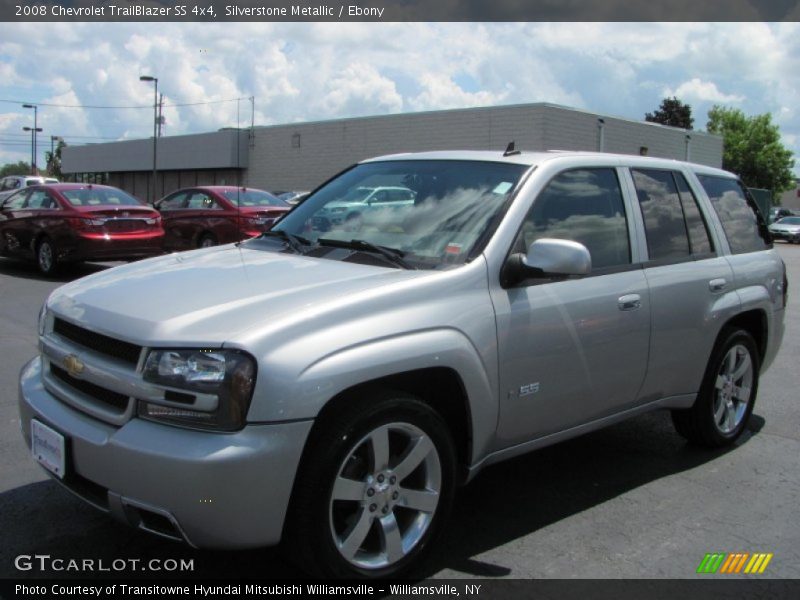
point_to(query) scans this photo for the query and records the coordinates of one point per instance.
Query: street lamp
(149, 78)
(35, 129)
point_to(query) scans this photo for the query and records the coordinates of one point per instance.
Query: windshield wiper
(295, 242)
(393, 255)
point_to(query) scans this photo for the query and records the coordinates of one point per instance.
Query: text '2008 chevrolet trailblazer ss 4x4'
(329, 387)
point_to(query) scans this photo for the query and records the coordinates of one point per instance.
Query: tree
(18, 168)
(54, 160)
(752, 149)
(672, 112)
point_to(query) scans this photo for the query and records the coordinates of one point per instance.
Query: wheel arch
(441, 388)
(753, 321)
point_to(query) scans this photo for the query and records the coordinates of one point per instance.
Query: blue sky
(305, 71)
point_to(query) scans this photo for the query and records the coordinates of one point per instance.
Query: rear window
(744, 228)
(253, 198)
(98, 197)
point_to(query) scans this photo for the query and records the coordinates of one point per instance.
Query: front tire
(727, 393)
(46, 257)
(375, 486)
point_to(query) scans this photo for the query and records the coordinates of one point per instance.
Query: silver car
(331, 389)
(787, 228)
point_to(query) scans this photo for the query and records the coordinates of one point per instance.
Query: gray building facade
(303, 155)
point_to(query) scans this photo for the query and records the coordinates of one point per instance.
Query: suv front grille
(103, 344)
(107, 398)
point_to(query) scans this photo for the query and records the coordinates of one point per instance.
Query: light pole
(35, 129)
(155, 130)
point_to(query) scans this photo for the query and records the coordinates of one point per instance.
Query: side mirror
(548, 257)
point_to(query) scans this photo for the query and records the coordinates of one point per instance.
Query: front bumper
(212, 490)
(786, 235)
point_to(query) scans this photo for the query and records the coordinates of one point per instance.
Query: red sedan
(219, 214)
(68, 222)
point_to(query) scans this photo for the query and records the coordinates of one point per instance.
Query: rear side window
(664, 224)
(743, 225)
(699, 239)
(586, 206)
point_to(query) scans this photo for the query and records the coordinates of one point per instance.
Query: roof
(537, 158)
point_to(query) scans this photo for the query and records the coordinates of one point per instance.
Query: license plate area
(48, 448)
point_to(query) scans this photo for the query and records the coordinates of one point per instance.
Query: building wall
(303, 155)
(791, 198)
(215, 150)
(570, 129)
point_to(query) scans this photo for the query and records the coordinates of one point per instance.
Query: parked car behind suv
(210, 215)
(12, 183)
(68, 222)
(329, 387)
(786, 228)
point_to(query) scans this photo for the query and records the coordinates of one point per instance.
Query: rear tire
(727, 393)
(206, 240)
(46, 257)
(374, 488)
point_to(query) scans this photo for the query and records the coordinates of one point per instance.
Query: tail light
(82, 224)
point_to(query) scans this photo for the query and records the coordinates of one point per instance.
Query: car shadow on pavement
(505, 502)
(520, 496)
(66, 272)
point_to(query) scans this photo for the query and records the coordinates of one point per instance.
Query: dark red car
(206, 216)
(67, 222)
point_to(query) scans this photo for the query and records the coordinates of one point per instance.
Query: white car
(12, 183)
(364, 203)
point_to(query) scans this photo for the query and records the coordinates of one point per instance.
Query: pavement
(631, 501)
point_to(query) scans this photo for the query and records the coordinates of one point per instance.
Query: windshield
(253, 198)
(93, 196)
(790, 221)
(434, 212)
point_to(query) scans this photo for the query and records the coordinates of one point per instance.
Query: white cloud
(704, 91)
(308, 71)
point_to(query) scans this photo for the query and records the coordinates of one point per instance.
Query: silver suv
(330, 388)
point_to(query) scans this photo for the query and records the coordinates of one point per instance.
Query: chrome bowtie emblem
(73, 365)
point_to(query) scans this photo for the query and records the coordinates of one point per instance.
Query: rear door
(43, 217)
(690, 283)
(12, 223)
(171, 209)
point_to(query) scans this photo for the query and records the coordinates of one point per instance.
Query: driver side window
(585, 206)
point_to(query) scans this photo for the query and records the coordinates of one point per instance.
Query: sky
(314, 71)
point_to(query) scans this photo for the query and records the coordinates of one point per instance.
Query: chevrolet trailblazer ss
(337, 383)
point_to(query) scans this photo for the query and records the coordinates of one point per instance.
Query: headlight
(228, 374)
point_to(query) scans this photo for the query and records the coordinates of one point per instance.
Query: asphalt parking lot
(631, 501)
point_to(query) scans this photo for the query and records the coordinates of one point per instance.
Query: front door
(573, 350)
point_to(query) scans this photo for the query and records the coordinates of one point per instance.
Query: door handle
(717, 285)
(630, 302)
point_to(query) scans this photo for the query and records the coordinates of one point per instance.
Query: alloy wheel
(385, 495)
(733, 388)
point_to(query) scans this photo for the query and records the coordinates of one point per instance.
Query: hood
(208, 296)
(784, 227)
